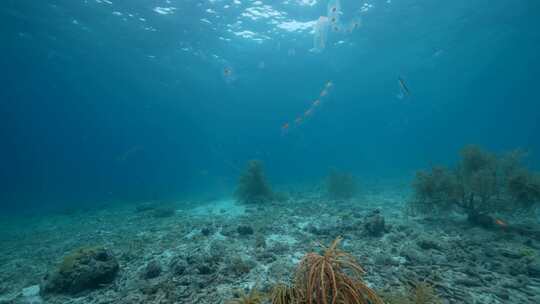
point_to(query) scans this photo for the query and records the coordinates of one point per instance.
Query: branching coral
(481, 184)
(421, 293)
(252, 185)
(333, 277)
(254, 297)
(341, 185)
(284, 294)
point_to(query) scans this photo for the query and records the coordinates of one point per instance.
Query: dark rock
(427, 244)
(468, 282)
(152, 270)
(86, 268)
(517, 268)
(279, 248)
(239, 266)
(217, 252)
(260, 241)
(414, 257)
(311, 228)
(385, 260)
(144, 207)
(205, 269)
(266, 257)
(374, 225)
(482, 220)
(206, 231)
(534, 268)
(502, 293)
(511, 254)
(244, 230)
(178, 266)
(163, 212)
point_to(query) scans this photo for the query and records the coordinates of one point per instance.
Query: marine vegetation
(253, 297)
(284, 294)
(341, 185)
(482, 184)
(252, 185)
(333, 277)
(421, 293)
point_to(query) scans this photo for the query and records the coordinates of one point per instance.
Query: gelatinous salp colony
(332, 23)
(313, 107)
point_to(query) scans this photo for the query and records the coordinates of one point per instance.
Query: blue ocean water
(118, 101)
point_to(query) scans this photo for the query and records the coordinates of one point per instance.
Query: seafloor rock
(534, 268)
(414, 257)
(178, 266)
(86, 268)
(30, 295)
(482, 220)
(206, 231)
(375, 225)
(427, 244)
(146, 206)
(152, 270)
(511, 254)
(239, 266)
(244, 230)
(163, 212)
(202, 264)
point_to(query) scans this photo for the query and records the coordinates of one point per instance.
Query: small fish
(285, 127)
(329, 84)
(308, 112)
(501, 223)
(324, 93)
(404, 89)
(316, 103)
(298, 120)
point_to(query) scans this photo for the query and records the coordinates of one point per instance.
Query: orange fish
(285, 127)
(501, 223)
(316, 103)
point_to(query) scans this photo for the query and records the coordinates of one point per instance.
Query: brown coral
(482, 183)
(421, 293)
(252, 185)
(324, 279)
(284, 294)
(341, 185)
(253, 297)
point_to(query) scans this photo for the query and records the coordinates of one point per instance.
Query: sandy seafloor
(204, 258)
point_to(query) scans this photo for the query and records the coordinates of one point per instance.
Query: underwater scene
(270, 151)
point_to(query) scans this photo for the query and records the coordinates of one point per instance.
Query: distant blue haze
(95, 109)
